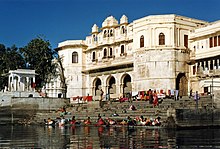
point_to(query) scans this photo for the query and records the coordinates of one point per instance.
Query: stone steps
(81, 111)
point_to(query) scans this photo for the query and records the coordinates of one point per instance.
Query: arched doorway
(97, 87)
(126, 84)
(111, 86)
(182, 84)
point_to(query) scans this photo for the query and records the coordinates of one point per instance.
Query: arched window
(142, 41)
(161, 39)
(74, 57)
(110, 52)
(94, 38)
(105, 53)
(105, 33)
(93, 56)
(122, 49)
(111, 32)
(122, 29)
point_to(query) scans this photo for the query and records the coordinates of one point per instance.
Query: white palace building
(157, 52)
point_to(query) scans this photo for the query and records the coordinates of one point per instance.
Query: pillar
(209, 64)
(27, 84)
(217, 65)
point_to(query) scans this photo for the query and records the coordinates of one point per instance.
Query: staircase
(81, 112)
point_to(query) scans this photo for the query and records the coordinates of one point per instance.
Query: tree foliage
(10, 59)
(39, 55)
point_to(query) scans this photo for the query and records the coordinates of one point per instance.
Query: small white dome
(124, 19)
(110, 21)
(95, 28)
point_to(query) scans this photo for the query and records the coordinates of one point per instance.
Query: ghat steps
(82, 111)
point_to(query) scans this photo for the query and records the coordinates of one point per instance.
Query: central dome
(110, 21)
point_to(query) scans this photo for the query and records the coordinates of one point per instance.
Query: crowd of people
(137, 121)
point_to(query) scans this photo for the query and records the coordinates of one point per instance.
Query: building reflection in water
(78, 137)
(120, 137)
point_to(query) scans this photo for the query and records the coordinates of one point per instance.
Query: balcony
(123, 54)
(111, 56)
(94, 60)
(216, 72)
(208, 73)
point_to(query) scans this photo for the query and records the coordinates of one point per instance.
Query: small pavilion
(21, 80)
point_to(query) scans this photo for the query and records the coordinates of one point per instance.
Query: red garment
(73, 122)
(87, 122)
(101, 121)
(155, 102)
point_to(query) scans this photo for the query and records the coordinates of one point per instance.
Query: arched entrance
(126, 84)
(97, 87)
(182, 84)
(111, 86)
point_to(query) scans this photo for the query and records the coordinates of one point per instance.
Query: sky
(60, 20)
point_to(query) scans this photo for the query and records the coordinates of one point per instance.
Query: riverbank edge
(180, 119)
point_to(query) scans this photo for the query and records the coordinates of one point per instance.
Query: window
(198, 67)
(219, 40)
(215, 41)
(105, 34)
(206, 64)
(210, 42)
(202, 65)
(110, 52)
(194, 70)
(142, 41)
(94, 38)
(74, 57)
(122, 49)
(161, 39)
(211, 65)
(93, 56)
(105, 53)
(123, 30)
(111, 32)
(206, 89)
(215, 63)
(186, 41)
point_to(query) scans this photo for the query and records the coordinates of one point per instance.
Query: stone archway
(182, 84)
(97, 87)
(126, 84)
(111, 86)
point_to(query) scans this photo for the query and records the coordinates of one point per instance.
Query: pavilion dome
(95, 28)
(110, 21)
(124, 19)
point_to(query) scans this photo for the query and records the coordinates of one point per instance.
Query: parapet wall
(197, 118)
(38, 103)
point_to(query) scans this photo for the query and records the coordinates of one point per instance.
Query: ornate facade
(205, 58)
(152, 52)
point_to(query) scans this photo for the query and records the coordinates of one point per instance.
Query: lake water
(40, 137)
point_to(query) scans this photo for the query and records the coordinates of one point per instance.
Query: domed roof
(109, 21)
(124, 19)
(95, 28)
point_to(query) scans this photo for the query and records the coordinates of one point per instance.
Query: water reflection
(76, 137)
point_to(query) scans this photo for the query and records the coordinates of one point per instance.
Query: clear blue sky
(60, 20)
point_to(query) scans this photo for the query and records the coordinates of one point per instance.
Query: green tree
(10, 59)
(39, 55)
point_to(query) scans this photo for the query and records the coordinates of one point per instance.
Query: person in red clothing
(73, 121)
(100, 121)
(87, 121)
(155, 101)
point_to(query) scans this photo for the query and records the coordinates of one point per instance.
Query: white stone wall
(202, 52)
(73, 71)
(154, 66)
